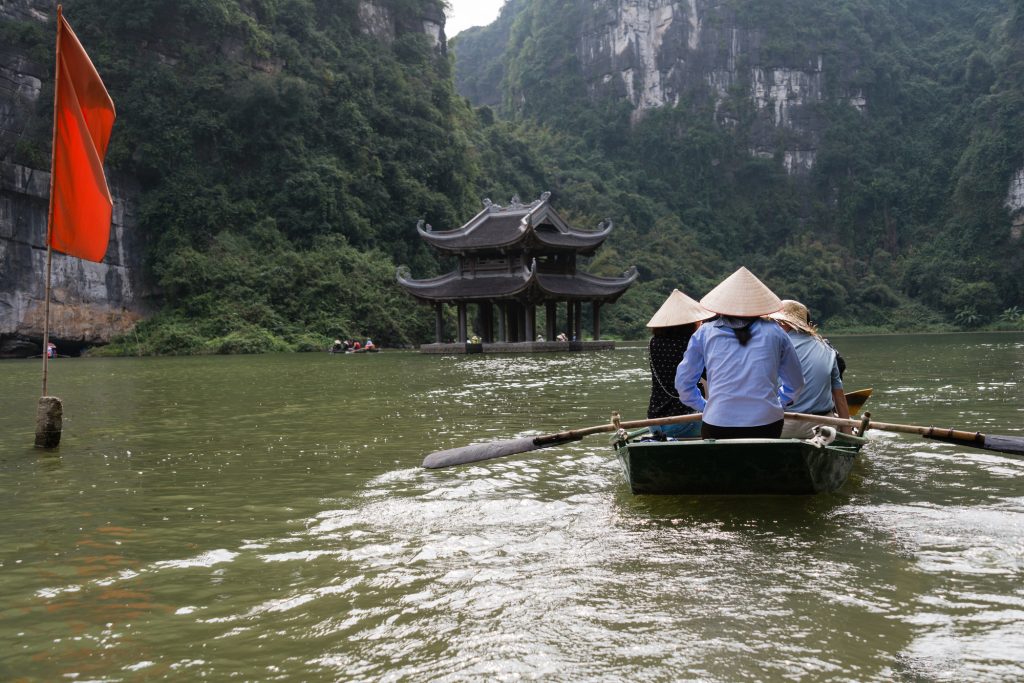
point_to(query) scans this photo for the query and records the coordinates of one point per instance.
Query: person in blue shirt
(823, 384)
(752, 369)
(671, 329)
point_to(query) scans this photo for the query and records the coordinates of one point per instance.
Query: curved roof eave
(452, 287)
(604, 288)
(460, 239)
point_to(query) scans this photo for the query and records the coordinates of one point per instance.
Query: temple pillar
(487, 322)
(439, 323)
(502, 329)
(551, 311)
(531, 322)
(462, 324)
(597, 319)
(577, 321)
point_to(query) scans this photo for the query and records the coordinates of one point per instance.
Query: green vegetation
(284, 156)
(901, 223)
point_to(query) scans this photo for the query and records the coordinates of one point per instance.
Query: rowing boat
(737, 466)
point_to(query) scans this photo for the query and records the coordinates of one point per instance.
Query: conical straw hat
(741, 295)
(679, 309)
(794, 314)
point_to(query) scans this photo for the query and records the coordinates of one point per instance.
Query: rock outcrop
(656, 53)
(1015, 204)
(380, 22)
(90, 302)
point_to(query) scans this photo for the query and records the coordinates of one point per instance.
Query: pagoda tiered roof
(532, 227)
(525, 283)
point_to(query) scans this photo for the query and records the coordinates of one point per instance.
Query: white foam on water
(207, 559)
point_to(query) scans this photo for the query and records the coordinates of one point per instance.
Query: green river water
(265, 518)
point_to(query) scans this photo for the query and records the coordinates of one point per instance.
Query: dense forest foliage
(284, 155)
(901, 224)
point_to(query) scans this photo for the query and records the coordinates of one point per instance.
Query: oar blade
(855, 400)
(481, 451)
(1005, 444)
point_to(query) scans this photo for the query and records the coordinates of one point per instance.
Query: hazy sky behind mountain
(465, 14)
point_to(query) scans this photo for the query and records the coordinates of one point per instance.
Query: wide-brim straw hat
(795, 315)
(679, 309)
(741, 295)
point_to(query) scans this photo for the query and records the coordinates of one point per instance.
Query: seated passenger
(745, 358)
(671, 327)
(823, 385)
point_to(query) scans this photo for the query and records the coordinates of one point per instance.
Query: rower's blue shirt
(747, 385)
(820, 370)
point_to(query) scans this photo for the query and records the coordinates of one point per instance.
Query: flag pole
(50, 412)
(49, 215)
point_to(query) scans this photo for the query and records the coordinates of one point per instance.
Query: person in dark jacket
(671, 327)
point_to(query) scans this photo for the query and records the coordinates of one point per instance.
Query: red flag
(83, 115)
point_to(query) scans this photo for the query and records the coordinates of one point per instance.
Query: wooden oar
(1013, 445)
(496, 449)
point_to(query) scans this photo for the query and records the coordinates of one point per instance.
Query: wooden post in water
(49, 422)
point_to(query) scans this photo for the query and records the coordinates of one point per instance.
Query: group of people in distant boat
(742, 357)
(350, 346)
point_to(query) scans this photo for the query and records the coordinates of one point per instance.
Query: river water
(266, 518)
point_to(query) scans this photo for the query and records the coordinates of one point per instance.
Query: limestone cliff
(1015, 204)
(655, 53)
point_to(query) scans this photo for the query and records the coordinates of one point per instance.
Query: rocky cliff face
(1015, 204)
(380, 22)
(655, 52)
(91, 302)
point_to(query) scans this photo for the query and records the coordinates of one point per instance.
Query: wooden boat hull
(737, 466)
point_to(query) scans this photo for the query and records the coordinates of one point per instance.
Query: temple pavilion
(512, 261)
